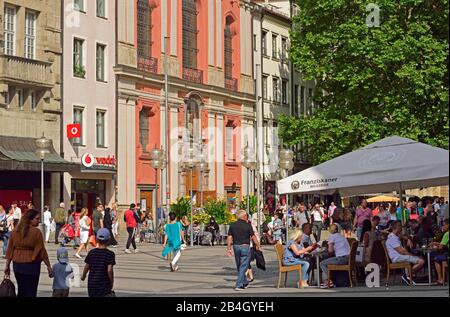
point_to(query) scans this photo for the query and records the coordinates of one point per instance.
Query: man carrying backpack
(59, 216)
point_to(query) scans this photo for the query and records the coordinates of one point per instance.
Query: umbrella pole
(402, 212)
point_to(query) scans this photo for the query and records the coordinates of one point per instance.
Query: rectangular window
(30, 34)
(100, 62)
(275, 90)
(296, 92)
(302, 100)
(20, 98)
(78, 63)
(190, 33)
(78, 5)
(255, 48)
(275, 135)
(264, 43)
(284, 91)
(284, 49)
(101, 128)
(229, 143)
(101, 8)
(274, 46)
(78, 118)
(264, 88)
(33, 100)
(9, 26)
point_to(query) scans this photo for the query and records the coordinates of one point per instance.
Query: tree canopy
(370, 81)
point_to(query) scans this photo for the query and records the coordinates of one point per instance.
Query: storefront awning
(19, 154)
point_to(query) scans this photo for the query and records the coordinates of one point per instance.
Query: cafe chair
(351, 240)
(279, 249)
(350, 267)
(395, 266)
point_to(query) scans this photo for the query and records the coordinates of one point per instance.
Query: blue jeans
(303, 263)
(341, 260)
(358, 233)
(242, 257)
(5, 241)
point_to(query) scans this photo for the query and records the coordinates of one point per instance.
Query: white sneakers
(127, 251)
(77, 255)
(136, 251)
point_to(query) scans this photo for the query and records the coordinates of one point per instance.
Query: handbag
(260, 261)
(7, 288)
(92, 241)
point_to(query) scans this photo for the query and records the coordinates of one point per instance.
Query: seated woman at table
(368, 237)
(338, 245)
(442, 254)
(294, 253)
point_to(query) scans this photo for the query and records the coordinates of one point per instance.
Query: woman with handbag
(85, 226)
(26, 250)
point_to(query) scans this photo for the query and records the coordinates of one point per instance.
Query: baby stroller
(66, 234)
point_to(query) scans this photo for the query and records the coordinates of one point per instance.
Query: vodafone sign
(88, 160)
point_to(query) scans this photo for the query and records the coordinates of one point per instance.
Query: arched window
(190, 32)
(193, 119)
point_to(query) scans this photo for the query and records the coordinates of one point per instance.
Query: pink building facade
(211, 102)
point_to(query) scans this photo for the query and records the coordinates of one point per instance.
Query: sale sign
(74, 131)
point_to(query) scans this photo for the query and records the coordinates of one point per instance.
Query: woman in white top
(85, 226)
(47, 223)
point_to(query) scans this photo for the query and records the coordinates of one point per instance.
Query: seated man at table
(442, 252)
(307, 242)
(338, 245)
(397, 253)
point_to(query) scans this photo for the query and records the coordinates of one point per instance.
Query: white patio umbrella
(390, 164)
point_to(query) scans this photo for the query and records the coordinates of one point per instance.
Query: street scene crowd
(356, 236)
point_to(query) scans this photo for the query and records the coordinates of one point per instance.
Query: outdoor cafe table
(317, 253)
(427, 251)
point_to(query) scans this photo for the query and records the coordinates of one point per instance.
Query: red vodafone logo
(87, 160)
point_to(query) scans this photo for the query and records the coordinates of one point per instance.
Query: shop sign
(88, 160)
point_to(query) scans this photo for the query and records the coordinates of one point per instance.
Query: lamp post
(203, 168)
(191, 163)
(157, 162)
(43, 145)
(249, 163)
(286, 164)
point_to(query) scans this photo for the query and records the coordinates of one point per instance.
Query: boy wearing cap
(61, 272)
(99, 264)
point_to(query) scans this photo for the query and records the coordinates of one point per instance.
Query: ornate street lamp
(43, 146)
(249, 163)
(190, 163)
(157, 162)
(286, 164)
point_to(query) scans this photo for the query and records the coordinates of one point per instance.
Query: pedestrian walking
(108, 223)
(60, 218)
(47, 222)
(85, 227)
(8, 226)
(317, 218)
(115, 221)
(17, 213)
(173, 236)
(26, 250)
(97, 219)
(100, 266)
(130, 219)
(62, 271)
(239, 236)
(362, 213)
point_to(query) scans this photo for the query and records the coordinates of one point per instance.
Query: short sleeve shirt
(361, 215)
(341, 246)
(241, 231)
(98, 282)
(96, 217)
(61, 272)
(392, 243)
(444, 240)
(289, 255)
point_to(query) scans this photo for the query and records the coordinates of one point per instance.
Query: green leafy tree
(370, 82)
(217, 208)
(182, 207)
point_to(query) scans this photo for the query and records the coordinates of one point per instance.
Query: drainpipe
(61, 119)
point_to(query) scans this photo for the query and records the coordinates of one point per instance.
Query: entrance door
(146, 199)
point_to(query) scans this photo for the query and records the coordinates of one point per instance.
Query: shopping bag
(93, 241)
(7, 288)
(260, 261)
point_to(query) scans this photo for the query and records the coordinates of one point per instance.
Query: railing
(231, 84)
(22, 69)
(148, 64)
(193, 75)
